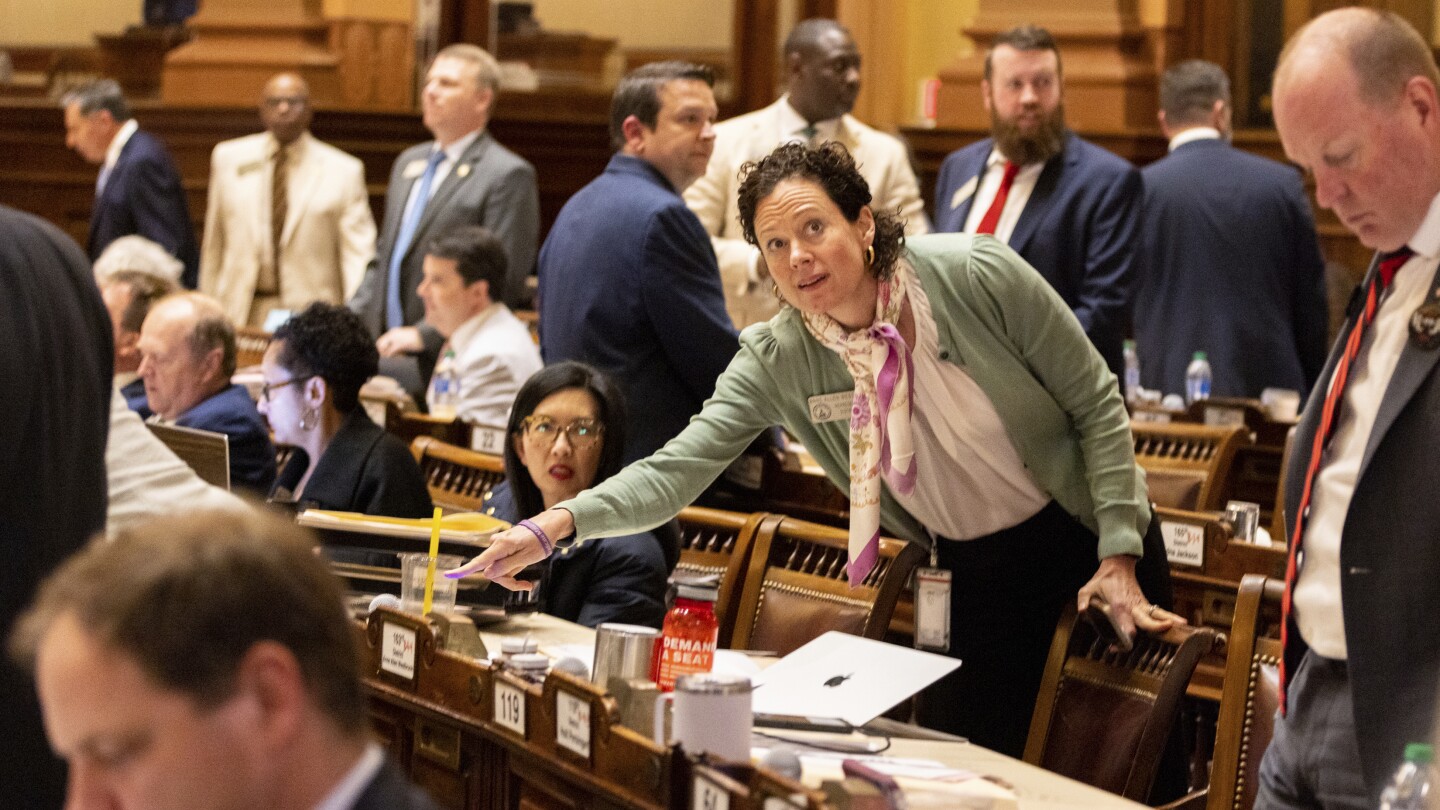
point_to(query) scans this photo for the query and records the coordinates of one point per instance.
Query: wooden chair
(717, 543)
(459, 479)
(1187, 466)
(1279, 532)
(1103, 717)
(1249, 700)
(250, 346)
(795, 587)
(410, 425)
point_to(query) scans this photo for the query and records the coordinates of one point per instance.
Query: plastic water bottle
(1197, 379)
(1132, 373)
(444, 388)
(1410, 785)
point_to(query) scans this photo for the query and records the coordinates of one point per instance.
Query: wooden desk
(1033, 788)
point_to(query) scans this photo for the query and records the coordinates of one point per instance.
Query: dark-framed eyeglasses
(581, 432)
(267, 388)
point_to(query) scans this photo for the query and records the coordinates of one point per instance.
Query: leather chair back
(1250, 695)
(1188, 466)
(1103, 717)
(795, 587)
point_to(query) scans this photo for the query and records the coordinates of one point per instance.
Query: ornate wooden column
(1110, 81)
(238, 44)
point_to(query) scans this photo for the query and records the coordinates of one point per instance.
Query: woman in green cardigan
(983, 426)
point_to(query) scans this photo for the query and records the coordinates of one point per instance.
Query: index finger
(477, 563)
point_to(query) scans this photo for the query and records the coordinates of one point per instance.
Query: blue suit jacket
(1228, 264)
(143, 196)
(1077, 229)
(232, 412)
(629, 284)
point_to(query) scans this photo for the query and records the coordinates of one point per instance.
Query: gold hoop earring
(869, 256)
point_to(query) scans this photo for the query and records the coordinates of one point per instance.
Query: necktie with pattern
(268, 282)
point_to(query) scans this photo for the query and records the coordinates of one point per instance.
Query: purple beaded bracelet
(545, 544)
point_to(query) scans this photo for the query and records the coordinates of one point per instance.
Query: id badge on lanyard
(932, 604)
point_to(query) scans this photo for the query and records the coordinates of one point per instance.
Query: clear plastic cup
(412, 582)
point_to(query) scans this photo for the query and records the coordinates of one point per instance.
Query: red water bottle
(688, 640)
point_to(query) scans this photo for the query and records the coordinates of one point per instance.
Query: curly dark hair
(330, 342)
(831, 167)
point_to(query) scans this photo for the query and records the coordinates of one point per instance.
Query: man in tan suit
(283, 245)
(824, 70)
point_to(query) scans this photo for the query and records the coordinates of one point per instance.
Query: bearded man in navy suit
(1068, 207)
(138, 190)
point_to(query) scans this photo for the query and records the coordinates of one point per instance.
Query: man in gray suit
(1357, 106)
(463, 177)
(206, 661)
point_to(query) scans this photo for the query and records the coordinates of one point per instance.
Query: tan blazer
(329, 234)
(884, 163)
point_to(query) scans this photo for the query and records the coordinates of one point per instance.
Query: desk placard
(509, 707)
(397, 653)
(487, 439)
(706, 795)
(1220, 416)
(1184, 543)
(572, 723)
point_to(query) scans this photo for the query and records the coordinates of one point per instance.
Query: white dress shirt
(1194, 134)
(1020, 189)
(793, 126)
(494, 356)
(112, 153)
(1316, 597)
(962, 452)
(349, 789)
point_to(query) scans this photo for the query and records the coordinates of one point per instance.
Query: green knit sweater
(997, 319)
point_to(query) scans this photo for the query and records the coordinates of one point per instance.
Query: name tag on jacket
(831, 407)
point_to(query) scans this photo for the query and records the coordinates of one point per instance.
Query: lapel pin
(1425, 326)
(463, 170)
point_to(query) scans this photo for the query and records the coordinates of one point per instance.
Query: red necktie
(992, 217)
(1323, 433)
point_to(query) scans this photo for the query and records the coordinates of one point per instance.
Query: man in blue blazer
(1228, 261)
(1357, 105)
(138, 190)
(1069, 207)
(628, 280)
(187, 356)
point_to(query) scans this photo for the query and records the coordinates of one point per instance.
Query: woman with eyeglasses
(566, 434)
(313, 371)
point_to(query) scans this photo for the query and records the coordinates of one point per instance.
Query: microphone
(389, 600)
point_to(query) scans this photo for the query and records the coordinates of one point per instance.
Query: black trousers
(1008, 589)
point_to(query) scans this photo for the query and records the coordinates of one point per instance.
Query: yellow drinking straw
(430, 566)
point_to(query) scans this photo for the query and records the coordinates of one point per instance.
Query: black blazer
(611, 579)
(390, 790)
(55, 361)
(363, 470)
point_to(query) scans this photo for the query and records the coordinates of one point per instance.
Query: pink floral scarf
(880, 441)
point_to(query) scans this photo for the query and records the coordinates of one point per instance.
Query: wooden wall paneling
(756, 53)
(377, 64)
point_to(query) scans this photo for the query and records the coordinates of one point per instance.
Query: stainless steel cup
(623, 651)
(1245, 518)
